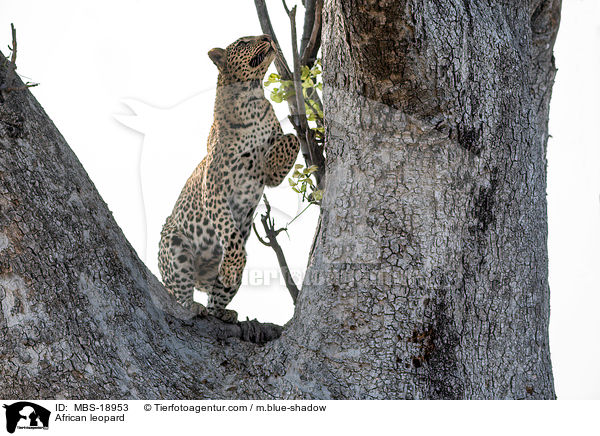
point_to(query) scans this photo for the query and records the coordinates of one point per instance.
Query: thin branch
(261, 240)
(11, 74)
(296, 62)
(267, 28)
(315, 153)
(309, 20)
(311, 41)
(312, 106)
(310, 44)
(301, 120)
(311, 150)
(271, 234)
(301, 212)
(282, 68)
(19, 88)
(13, 56)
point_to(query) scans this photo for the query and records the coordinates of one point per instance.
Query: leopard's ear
(217, 55)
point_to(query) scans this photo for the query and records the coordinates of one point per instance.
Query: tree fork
(429, 273)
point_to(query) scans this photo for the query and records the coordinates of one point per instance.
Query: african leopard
(202, 241)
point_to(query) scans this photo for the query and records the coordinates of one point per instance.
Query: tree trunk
(433, 248)
(429, 274)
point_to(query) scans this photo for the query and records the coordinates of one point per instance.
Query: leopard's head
(246, 59)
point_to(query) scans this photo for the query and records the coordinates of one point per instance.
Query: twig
(11, 74)
(20, 88)
(297, 216)
(12, 66)
(271, 234)
(261, 240)
(13, 49)
(310, 45)
(309, 101)
(300, 119)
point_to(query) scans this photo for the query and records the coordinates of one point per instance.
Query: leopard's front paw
(226, 315)
(232, 267)
(195, 307)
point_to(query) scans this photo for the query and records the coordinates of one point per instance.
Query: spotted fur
(202, 241)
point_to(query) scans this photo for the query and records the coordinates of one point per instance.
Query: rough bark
(82, 317)
(429, 274)
(436, 117)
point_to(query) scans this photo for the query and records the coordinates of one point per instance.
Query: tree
(429, 274)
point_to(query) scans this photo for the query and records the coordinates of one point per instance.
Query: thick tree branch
(97, 323)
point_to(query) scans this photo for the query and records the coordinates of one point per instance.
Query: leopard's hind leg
(219, 297)
(176, 266)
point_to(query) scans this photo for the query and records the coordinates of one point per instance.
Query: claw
(225, 315)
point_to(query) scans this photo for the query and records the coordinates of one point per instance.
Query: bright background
(103, 66)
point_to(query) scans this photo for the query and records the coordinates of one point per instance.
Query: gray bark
(436, 134)
(81, 316)
(429, 274)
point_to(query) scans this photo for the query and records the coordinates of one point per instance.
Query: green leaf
(304, 72)
(276, 96)
(308, 83)
(273, 78)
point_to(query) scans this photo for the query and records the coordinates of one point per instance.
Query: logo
(26, 415)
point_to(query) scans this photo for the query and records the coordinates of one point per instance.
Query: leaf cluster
(302, 183)
(283, 90)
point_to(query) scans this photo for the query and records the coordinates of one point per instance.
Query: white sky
(98, 61)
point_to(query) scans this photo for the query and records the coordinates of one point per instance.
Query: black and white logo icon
(26, 415)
